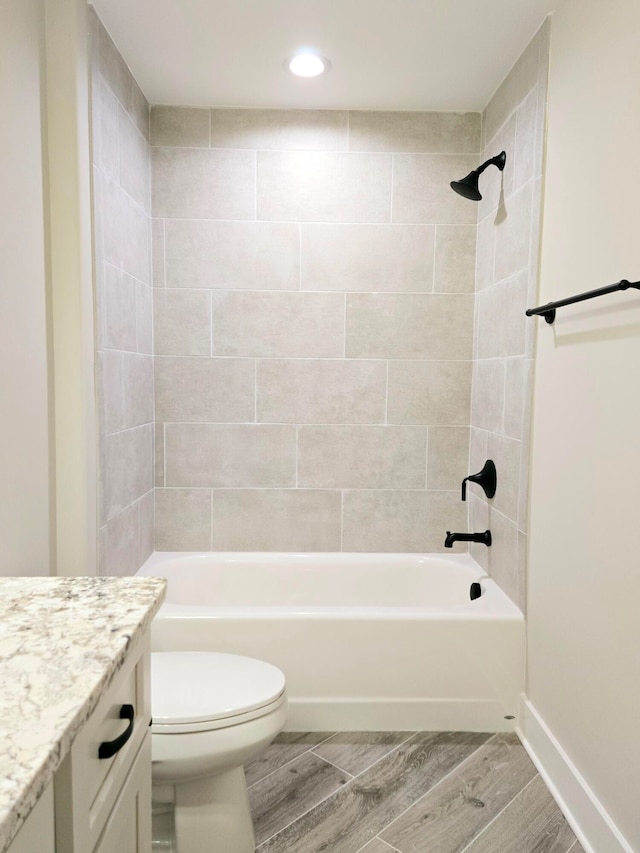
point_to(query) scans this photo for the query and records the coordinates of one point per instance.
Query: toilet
(212, 713)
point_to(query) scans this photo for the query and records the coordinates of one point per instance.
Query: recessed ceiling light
(307, 64)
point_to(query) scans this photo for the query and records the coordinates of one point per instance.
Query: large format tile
(182, 322)
(265, 130)
(447, 457)
(134, 161)
(361, 457)
(180, 126)
(235, 455)
(128, 469)
(450, 816)
(288, 793)
(421, 191)
(401, 521)
(429, 392)
(501, 319)
(513, 235)
(436, 132)
(367, 257)
(532, 821)
(318, 391)
(183, 520)
(355, 752)
(278, 324)
(455, 259)
(310, 186)
(350, 818)
(232, 255)
(404, 325)
(197, 183)
(286, 747)
(119, 309)
(214, 390)
(276, 520)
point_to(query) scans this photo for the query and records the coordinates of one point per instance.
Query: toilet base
(213, 814)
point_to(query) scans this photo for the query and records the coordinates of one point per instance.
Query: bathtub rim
(493, 604)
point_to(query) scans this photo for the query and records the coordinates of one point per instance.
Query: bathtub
(366, 641)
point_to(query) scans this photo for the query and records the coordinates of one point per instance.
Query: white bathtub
(366, 641)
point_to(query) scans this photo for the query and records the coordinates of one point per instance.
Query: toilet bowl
(212, 713)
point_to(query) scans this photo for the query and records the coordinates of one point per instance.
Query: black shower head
(468, 187)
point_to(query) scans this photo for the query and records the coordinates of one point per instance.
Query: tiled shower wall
(506, 284)
(313, 322)
(124, 307)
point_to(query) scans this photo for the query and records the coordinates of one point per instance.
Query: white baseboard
(586, 815)
(337, 714)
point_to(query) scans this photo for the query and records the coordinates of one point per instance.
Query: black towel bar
(549, 311)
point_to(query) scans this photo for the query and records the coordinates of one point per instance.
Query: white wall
(25, 502)
(584, 628)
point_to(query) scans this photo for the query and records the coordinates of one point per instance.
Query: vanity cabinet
(103, 804)
(36, 833)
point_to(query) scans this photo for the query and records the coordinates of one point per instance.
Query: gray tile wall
(314, 299)
(506, 284)
(124, 314)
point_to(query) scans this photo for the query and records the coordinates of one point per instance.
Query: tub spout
(482, 538)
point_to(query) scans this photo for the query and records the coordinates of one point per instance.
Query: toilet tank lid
(190, 687)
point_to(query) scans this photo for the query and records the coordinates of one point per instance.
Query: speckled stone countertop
(61, 642)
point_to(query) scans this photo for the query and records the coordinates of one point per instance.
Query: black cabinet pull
(108, 748)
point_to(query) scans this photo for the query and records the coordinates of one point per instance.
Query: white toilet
(212, 713)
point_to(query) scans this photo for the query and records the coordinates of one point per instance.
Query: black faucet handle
(487, 479)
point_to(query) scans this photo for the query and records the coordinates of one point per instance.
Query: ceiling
(386, 54)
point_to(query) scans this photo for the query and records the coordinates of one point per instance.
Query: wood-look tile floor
(410, 792)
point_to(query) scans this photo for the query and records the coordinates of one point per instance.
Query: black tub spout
(482, 538)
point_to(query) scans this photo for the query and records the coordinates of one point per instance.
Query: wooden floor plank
(286, 747)
(356, 751)
(286, 794)
(532, 823)
(577, 847)
(350, 818)
(454, 813)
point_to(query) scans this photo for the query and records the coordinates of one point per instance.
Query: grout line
(291, 760)
(326, 760)
(410, 735)
(381, 841)
(495, 818)
(304, 814)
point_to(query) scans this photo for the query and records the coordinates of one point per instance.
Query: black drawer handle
(108, 748)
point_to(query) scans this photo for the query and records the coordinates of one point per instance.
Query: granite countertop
(61, 642)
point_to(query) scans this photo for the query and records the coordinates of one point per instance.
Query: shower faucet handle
(486, 479)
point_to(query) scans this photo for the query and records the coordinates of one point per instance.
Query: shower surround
(338, 339)
(314, 299)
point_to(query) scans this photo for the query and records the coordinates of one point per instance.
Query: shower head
(468, 187)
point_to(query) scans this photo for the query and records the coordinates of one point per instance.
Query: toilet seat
(203, 691)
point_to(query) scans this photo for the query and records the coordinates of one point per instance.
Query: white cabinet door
(128, 828)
